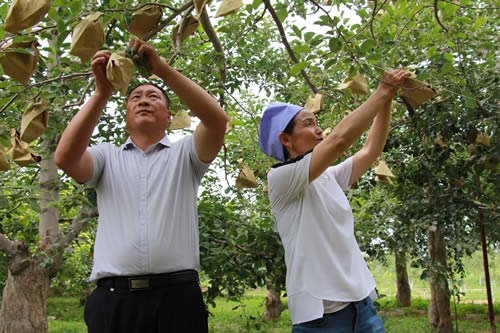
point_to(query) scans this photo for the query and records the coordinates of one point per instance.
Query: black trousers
(176, 308)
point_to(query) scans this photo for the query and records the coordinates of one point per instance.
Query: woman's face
(305, 135)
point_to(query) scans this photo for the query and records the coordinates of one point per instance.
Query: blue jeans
(357, 317)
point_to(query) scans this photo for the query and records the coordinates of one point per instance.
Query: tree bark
(24, 301)
(439, 308)
(274, 307)
(403, 295)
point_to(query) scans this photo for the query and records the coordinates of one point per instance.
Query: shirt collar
(165, 142)
(290, 161)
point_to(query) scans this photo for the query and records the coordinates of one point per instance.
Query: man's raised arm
(71, 153)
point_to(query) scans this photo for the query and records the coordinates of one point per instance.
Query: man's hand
(103, 86)
(148, 52)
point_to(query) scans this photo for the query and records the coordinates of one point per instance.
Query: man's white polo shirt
(316, 225)
(147, 201)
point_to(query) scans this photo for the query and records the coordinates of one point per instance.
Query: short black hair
(150, 84)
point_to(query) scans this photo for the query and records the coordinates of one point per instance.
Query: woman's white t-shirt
(315, 222)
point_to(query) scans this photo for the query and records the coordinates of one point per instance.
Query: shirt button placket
(143, 212)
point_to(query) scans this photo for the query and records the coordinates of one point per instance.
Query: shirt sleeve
(199, 167)
(342, 173)
(288, 181)
(98, 154)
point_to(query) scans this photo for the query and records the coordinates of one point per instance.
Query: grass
(472, 286)
(66, 316)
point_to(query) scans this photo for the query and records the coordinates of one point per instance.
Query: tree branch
(78, 223)
(82, 99)
(6, 245)
(284, 40)
(437, 16)
(212, 35)
(346, 42)
(178, 37)
(411, 19)
(163, 23)
(472, 8)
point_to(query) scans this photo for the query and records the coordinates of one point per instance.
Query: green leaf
(298, 67)
(282, 13)
(76, 6)
(448, 66)
(330, 62)
(479, 22)
(301, 49)
(308, 36)
(297, 31)
(335, 44)
(256, 3)
(367, 45)
(431, 52)
(470, 99)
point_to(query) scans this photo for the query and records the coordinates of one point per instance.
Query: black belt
(145, 282)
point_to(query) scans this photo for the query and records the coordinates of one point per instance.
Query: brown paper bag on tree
(415, 92)
(190, 27)
(383, 174)
(4, 161)
(20, 152)
(17, 65)
(199, 5)
(144, 20)
(357, 84)
(228, 7)
(119, 71)
(230, 125)
(314, 103)
(34, 121)
(88, 37)
(25, 13)
(180, 120)
(483, 139)
(246, 179)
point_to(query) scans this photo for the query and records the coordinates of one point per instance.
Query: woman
(328, 281)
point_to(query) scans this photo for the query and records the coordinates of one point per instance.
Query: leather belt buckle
(138, 284)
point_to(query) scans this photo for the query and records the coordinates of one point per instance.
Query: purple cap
(275, 119)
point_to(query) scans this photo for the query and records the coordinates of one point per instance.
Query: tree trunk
(403, 295)
(274, 307)
(439, 308)
(24, 302)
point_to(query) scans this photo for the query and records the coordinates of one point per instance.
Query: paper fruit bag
(20, 152)
(246, 179)
(180, 120)
(228, 7)
(314, 103)
(25, 13)
(34, 121)
(4, 161)
(357, 84)
(119, 71)
(144, 20)
(20, 65)
(190, 27)
(414, 92)
(88, 37)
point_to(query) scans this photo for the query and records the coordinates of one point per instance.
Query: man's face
(147, 106)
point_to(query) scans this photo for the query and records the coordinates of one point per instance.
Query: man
(146, 251)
